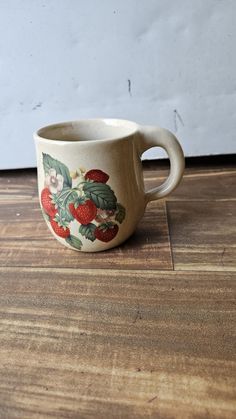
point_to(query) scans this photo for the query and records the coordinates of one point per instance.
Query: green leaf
(120, 214)
(101, 194)
(66, 197)
(74, 242)
(88, 231)
(62, 222)
(51, 163)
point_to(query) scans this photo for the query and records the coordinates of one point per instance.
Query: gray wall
(165, 62)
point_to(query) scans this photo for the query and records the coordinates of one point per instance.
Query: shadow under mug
(90, 179)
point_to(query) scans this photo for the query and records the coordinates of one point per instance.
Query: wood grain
(116, 343)
(203, 235)
(120, 334)
(26, 241)
(202, 185)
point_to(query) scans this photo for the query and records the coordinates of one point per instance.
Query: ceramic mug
(90, 179)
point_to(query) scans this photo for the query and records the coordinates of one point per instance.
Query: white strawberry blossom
(54, 181)
(80, 190)
(104, 215)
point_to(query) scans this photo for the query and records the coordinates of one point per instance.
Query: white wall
(68, 59)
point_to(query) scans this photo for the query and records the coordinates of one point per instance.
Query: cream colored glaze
(115, 147)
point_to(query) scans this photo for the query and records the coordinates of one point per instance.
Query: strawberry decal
(83, 212)
(106, 232)
(97, 176)
(60, 228)
(79, 202)
(47, 202)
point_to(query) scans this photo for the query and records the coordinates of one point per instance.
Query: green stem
(68, 194)
(65, 194)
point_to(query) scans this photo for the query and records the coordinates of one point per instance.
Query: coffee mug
(90, 179)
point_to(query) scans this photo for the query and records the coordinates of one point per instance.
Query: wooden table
(143, 330)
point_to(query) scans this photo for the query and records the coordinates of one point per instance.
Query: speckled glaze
(90, 179)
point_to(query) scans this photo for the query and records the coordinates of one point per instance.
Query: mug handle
(161, 137)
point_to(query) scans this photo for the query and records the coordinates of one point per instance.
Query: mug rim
(116, 122)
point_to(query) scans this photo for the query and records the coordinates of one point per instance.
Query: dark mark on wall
(151, 400)
(177, 117)
(129, 87)
(38, 105)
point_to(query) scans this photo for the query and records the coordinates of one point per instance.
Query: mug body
(90, 182)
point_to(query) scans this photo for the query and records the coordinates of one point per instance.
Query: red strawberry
(97, 176)
(72, 210)
(106, 232)
(60, 230)
(85, 212)
(47, 203)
